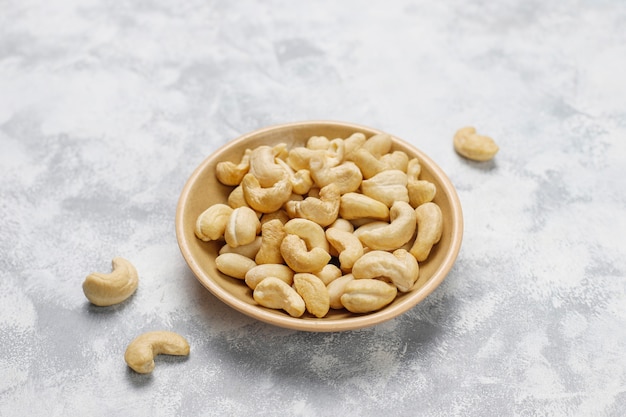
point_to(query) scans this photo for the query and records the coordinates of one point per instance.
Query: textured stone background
(107, 107)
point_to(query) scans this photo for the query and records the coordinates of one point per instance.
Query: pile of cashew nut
(336, 223)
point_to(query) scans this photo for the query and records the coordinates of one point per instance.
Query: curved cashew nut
(229, 173)
(347, 244)
(342, 224)
(367, 163)
(234, 265)
(108, 289)
(347, 176)
(313, 292)
(141, 351)
(242, 227)
(299, 157)
(336, 290)
(395, 160)
(413, 170)
(421, 192)
(323, 210)
(367, 295)
(263, 165)
(211, 224)
(300, 258)
(429, 227)
(275, 293)
(249, 251)
(272, 234)
(311, 232)
(378, 145)
(353, 142)
(359, 206)
(387, 187)
(301, 181)
(318, 143)
(394, 234)
(266, 200)
(258, 273)
(329, 273)
(399, 267)
(473, 146)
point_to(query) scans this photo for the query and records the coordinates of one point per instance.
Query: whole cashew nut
(346, 176)
(359, 206)
(300, 258)
(473, 146)
(242, 227)
(313, 292)
(272, 234)
(211, 224)
(266, 200)
(275, 293)
(141, 351)
(399, 267)
(258, 273)
(429, 228)
(108, 289)
(234, 265)
(393, 235)
(387, 187)
(336, 289)
(323, 210)
(229, 173)
(264, 167)
(311, 232)
(347, 245)
(367, 295)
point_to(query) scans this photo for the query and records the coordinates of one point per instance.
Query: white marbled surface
(107, 107)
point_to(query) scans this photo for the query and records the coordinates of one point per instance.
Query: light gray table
(107, 107)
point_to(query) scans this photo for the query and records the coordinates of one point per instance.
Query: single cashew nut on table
(113, 288)
(211, 224)
(393, 235)
(474, 146)
(367, 295)
(141, 351)
(276, 294)
(429, 228)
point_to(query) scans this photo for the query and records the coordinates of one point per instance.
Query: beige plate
(203, 189)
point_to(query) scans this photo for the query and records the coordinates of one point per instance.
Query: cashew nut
(421, 192)
(250, 250)
(367, 295)
(318, 142)
(264, 167)
(353, 142)
(367, 163)
(394, 234)
(347, 245)
(211, 224)
(336, 290)
(299, 258)
(395, 160)
(229, 173)
(359, 206)
(141, 351)
(400, 267)
(342, 224)
(266, 200)
(299, 157)
(323, 210)
(242, 227)
(234, 265)
(108, 289)
(313, 292)
(301, 181)
(311, 232)
(272, 234)
(275, 293)
(387, 187)
(329, 273)
(258, 273)
(378, 145)
(474, 146)
(346, 176)
(429, 228)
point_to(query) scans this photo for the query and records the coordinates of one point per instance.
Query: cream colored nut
(353, 142)
(359, 206)
(367, 295)
(141, 352)
(474, 146)
(258, 273)
(275, 293)
(429, 228)
(300, 258)
(336, 289)
(323, 210)
(313, 292)
(335, 154)
(278, 215)
(413, 170)
(311, 232)
(347, 245)
(211, 224)
(249, 251)
(299, 157)
(318, 142)
(399, 267)
(229, 173)
(342, 224)
(234, 265)
(113, 288)
(301, 181)
(421, 192)
(387, 187)
(242, 227)
(236, 198)
(346, 176)
(263, 166)
(367, 163)
(272, 234)
(394, 234)
(266, 200)
(395, 160)
(378, 145)
(329, 273)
